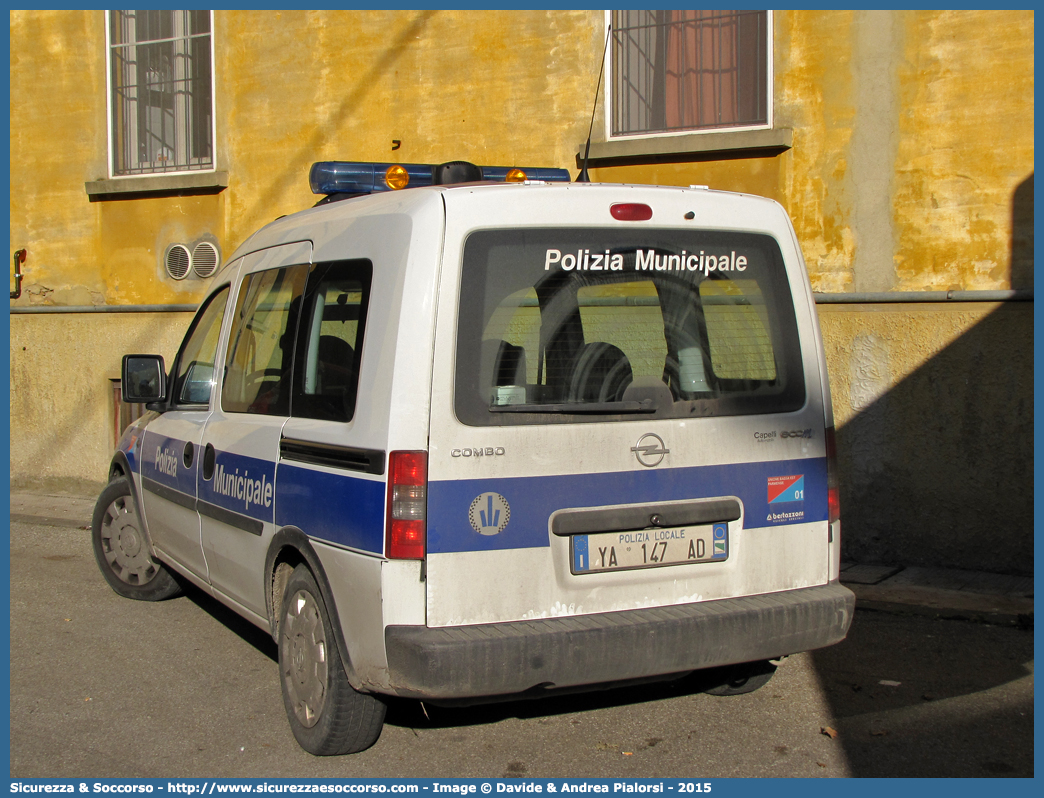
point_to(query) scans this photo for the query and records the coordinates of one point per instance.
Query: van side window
(194, 376)
(326, 374)
(259, 359)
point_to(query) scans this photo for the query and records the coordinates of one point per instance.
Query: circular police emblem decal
(489, 514)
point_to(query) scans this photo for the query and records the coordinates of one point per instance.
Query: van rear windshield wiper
(571, 408)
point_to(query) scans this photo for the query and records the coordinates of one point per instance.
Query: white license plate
(650, 548)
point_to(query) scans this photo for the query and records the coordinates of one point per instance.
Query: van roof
(294, 227)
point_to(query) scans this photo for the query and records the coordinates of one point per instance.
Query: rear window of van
(573, 325)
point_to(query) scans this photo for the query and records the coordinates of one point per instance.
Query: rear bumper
(507, 658)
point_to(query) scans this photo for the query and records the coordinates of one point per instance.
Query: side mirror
(143, 379)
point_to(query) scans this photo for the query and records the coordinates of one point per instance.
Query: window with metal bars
(688, 70)
(161, 83)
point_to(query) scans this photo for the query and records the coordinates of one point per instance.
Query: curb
(946, 605)
(49, 521)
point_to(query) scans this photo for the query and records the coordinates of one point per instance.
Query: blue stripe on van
(532, 499)
(162, 460)
(337, 508)
(131, 440)
(240, 484)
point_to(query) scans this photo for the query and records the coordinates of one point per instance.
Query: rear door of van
(626, 412)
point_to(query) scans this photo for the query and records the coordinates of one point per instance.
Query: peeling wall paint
(966, 145)
(869, 369)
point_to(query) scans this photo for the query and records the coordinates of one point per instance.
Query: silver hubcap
(305, 668)
(122, 544)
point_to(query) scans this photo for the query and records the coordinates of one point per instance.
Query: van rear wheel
(740, 679)
(326, 714)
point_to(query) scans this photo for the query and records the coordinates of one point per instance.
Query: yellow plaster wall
(814, 97)
(951, 132)
(292, 87)
(495, 87)
(912, 170)
(57, 137)
(760, 176)
(82, 252)
(515, 87)
(61, 396)
(966, 144)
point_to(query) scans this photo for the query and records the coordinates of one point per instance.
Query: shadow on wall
(938, 470)
(1022, 235)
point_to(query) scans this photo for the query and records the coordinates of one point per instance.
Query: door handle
(208, 461)
(190, 452)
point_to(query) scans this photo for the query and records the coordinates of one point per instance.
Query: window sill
(159, 185)
(690, 147)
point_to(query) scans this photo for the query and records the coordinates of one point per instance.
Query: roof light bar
(367, 177)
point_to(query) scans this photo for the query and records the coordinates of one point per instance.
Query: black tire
(327, 716)
(740, 679)
(122, 551)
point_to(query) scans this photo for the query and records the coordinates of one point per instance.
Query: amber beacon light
(397, 177)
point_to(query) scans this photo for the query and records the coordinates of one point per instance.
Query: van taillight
(833, 493)
(407, 505)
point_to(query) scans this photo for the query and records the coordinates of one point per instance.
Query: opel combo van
(482, 440)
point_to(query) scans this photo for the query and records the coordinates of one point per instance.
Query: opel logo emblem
(650, 450)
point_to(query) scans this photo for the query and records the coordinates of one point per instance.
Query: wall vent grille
(177, 261)
(205, 259)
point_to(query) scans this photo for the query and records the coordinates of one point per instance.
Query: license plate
(650, 548)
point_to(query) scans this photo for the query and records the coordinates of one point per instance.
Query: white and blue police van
(466, 434)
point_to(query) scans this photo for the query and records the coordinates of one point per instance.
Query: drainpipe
(19, 259)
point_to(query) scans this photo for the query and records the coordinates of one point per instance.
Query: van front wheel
(327, 716)
(122, 551)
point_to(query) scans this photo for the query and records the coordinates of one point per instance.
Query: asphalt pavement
(999, 599)
(104, 687)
